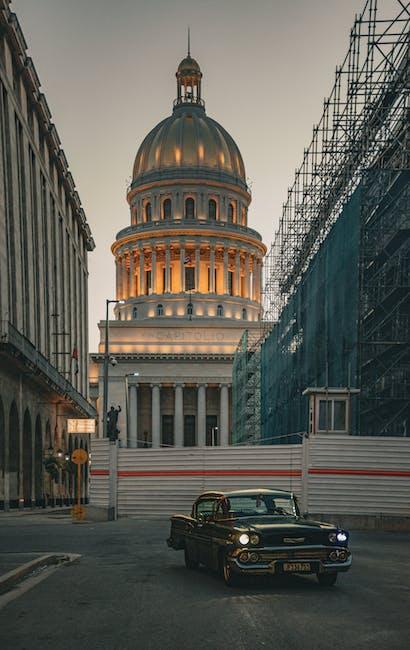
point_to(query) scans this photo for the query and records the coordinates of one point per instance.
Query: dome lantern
(189, 77)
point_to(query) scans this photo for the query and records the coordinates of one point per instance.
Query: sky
(107, 69)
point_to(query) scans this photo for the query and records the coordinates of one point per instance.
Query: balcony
(179, 225)
(13, 343)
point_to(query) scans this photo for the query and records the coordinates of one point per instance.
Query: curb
(10, 579)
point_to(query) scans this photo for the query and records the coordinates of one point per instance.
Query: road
(129, 591)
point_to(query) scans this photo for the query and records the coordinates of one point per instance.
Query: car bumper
(308, 565)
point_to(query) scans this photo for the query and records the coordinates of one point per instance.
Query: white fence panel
(99, 474)
(358, 475)
(159, 482)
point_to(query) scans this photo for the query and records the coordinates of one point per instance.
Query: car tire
(230, 578)
(190, 563)
(327, 579)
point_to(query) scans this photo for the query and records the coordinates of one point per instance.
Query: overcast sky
(108, 68)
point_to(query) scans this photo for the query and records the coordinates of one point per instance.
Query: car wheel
(327, 579)
(230, 578)
(190, 563)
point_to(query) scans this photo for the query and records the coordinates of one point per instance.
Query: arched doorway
(27, 459)
(38, 462)
(2, 456)
(14, 456)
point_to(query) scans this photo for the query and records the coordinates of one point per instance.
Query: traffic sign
(79, 456)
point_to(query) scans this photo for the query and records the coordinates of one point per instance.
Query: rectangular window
(189, 279)
(230, 283)
(325, 415)
(212, 435)
(339, 423)
(148, 286)
(332, 415)
(189, 431)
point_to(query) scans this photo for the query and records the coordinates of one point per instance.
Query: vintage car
(258, 531)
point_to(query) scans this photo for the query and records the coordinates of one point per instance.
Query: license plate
(296, 567)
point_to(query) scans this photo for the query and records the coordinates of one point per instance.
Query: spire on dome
(189, 77)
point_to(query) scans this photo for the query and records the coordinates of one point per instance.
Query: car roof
(238, 493)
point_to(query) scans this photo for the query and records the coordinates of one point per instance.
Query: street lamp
(127, 417)
(106, 361)
(214, 433)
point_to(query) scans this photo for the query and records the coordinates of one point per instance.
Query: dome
(188, 65)
(189, 140)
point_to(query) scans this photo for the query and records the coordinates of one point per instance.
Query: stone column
(212, 270)
(224, 415)
(167, 269)
(132, 416)
(117, 278)
(197, 268)
(156, 416)
(142, 273)
(201, 415)
(225, 272)
(179, 416)
(257, 279)
(182, 268)
(154, 270)
(124, 279)
(131, 292)
(247, 275)
(238, 273)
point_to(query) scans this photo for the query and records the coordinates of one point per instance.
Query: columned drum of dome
(188, 275)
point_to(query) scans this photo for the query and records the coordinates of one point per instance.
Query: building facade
(44, 243)
(188, 272)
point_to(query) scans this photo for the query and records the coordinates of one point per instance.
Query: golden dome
(188, 65)
(189, 142)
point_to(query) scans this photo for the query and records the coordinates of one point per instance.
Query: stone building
(44, 243)
(188, 272)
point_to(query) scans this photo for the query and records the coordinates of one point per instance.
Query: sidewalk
(30, 512)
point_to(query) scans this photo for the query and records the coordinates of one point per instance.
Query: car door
(205, 509)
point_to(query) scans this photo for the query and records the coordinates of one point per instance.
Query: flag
(74, 357)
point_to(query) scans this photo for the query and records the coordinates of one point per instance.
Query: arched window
(244, 314)
(160, 310)
(189, 309)
(189, 208)
(220, 310)
(212, 209)
(167, 209)
(135, 313)
(231, 213)
(148, 212)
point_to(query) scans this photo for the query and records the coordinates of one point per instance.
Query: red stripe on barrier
(358, 472)
(100, 472)
(212, 472)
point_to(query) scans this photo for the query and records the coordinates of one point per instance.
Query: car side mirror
(305, 515)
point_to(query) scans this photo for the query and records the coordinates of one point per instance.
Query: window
(148, 280)
(212, 209)
(148, 212)
(189, 208)
(230, 283)
(205, 507)
(231, 213)
(189, 278)
(135, 313)
(160, 310)
(189, 309)
(167, 209)
(332, 415)
(244, 314)
(219, 310)
(189, 431)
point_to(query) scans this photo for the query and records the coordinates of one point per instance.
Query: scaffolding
(246, 386)
(361, 143)
(360, 119)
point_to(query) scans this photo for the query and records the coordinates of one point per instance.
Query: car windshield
(255, 505)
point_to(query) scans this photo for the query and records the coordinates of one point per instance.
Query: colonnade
(135, 437)
(167, 263)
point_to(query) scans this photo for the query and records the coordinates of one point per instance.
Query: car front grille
(295, 554)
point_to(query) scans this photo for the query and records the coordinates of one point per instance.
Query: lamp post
(127, 416)
(106, 361)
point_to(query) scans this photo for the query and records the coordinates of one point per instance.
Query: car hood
(292, 526)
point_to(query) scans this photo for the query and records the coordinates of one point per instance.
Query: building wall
(314, 342)
(44, 242)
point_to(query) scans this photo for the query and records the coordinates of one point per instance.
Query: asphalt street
(129, 591)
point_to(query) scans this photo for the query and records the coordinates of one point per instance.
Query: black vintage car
(258, 532)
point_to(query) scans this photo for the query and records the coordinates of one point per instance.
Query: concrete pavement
(129, 591)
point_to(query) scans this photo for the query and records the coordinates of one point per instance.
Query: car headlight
(332, 537)
(244, 539)
(342, 536)
(254, 539)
